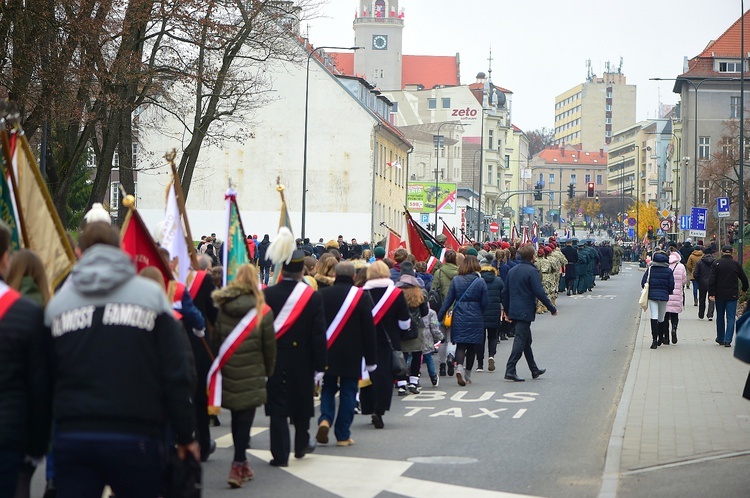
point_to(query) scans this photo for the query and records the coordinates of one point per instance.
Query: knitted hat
(332, 244)
(407, 268)
(472, 252)
(379, 252)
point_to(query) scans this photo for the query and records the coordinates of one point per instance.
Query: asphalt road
(544, 437)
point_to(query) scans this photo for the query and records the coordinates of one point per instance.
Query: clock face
(379, 42)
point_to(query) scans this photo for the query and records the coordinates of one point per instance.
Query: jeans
(427, 359)
(132, 464)
(242, 422)
(694, 284)
(521, 347)
(347, 389)
(265, 273)
(10, 465)
(702, 295)
(724, 334)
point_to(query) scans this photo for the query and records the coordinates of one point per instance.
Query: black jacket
(723, 285)
(25, 409)
(523, 289)
(494, 294)
(262, 248)
(300, 352)
(357, 339)
(702, 271)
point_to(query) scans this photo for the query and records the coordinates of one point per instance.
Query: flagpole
(453, 232)
(12, 176)
(394, 232)
(170, 157)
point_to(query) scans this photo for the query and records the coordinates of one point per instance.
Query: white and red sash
(195, 285)
(228, 348)
(342, 316)
(384, 304)
(292, 308)
(8, 297)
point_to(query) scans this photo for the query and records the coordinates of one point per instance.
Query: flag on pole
(173, 235)
(535, 235)
(513, 234)
(136, 241)
(7, 207)
(414, 242)
(525, 237)
(392, 242)
(235, 247)
(284, 221)
(450, 238)
(40, 226)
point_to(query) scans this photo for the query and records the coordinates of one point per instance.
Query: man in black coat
(606, 258)
(571, 254)
(349, 338)
(519, 306)
(301, 351)
(25, 410)
(723, 289)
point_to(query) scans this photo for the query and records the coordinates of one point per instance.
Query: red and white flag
(342, 316)
(292, 308)
(451, 241)
(230, 345)
(384, 304)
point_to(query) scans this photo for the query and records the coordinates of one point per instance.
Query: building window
(587, 178)
(432, 103)
(491, 139)
(135, 154)
(704, 147)
(551, 178)
(727, 146)
(573, 178)
(541, 178)
(116, 161)
(734, 107)
(703, 192)
(507, 162)
(489, 175)
(114, 196)
(608, 107)
(599, 179)
(395, 107)
(729, 66)
(446, 103)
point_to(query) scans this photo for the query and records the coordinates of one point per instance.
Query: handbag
(448, 318)
(742, 340)
(398, 362)
(643, 301)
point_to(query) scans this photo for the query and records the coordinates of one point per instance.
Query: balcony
(379, 20)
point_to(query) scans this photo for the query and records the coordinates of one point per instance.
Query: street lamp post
(307, 102)
(437, 143)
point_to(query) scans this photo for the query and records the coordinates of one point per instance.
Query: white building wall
(339, 165)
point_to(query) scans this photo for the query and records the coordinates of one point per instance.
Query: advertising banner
(421, 197)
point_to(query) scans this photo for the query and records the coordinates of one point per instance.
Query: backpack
(415, 329)
(435, 298)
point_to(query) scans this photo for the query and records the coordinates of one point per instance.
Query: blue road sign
(722, 207)
(631, 232)
(685, 222)
(698, 218)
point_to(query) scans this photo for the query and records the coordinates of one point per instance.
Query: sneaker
(247, 472)
(479, 369)
(414, 389)
(491, 364)
(460, 375)
(710, 319)
(402, 390)
(451, 365)
(435, 380)
(235, 476)
(358, 408)
(442, 372)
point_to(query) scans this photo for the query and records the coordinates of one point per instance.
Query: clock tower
(378, 28)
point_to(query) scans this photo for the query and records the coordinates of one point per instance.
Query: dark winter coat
(25, 349)
(606, 257)
(725, 274)
(357, 338)
(494, 297)
(702, 271)
(262, 248)
(467, 325)
(427, 279)
(685, 251)
(300, 352)
(661, 281)
(443, 277)
(244, 375)
(523, 289)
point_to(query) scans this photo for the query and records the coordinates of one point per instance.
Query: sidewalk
(681, 404)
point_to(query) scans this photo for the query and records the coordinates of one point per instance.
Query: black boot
(655, 333)
(674, 334)
(664, 330)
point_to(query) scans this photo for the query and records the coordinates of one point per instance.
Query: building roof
(572, 155)
(725, 46)
(427, 71)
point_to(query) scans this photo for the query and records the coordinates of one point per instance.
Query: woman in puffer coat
(491, 313)
(661, 285)
(469, 293)
(244, 374)
(677, 297)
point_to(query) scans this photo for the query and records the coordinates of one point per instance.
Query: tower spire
(489, 71)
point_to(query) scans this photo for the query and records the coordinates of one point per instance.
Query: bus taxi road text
(469, 410)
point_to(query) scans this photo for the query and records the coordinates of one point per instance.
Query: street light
(307, 101)
(436, 142)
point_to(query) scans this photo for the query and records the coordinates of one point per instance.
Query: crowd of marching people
(121, 371)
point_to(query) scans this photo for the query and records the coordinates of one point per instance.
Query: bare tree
(539, 140)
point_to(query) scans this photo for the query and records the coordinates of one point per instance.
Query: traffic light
(650, 232)
(590, 192)
(571, 191)
(538, 192)
(597, 197)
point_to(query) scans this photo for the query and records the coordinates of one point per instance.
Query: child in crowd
(431, 338)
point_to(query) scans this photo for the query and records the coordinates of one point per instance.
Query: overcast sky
(540, 47)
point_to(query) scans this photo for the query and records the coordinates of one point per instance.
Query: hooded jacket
(494, 295)
(122, 363)
(692, 261)
(702, 271)
(674, 305)
(661, 280)
(725, 275)
(443, 277)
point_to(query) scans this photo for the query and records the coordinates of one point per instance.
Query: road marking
(598, 296)
(354, 478)
(226, 441)
(488, 413)
(520, 413)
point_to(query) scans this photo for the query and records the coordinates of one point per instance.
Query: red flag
(392, 242)
(137, 241)
(416, 245)
(450, 239)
